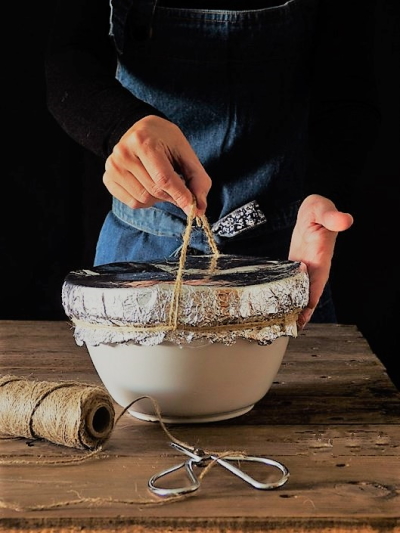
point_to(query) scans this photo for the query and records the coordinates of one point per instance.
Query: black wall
(365, 273)
(53, 200)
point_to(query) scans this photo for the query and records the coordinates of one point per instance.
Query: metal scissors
(200, 458)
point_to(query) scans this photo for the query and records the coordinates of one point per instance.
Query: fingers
(199, 184)
(134, 187)
(129, 197)
(304, 317)
(179, 188)
(154, 162)
(318, 276)
(313, 243)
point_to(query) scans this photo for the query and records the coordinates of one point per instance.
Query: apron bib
(237, 84)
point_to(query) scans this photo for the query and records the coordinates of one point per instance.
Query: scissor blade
(196, 458)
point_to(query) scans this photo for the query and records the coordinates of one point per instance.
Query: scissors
(199, 457)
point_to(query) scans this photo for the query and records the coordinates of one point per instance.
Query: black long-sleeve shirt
(96, 110)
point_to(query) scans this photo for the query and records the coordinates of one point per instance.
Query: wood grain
(332, 417)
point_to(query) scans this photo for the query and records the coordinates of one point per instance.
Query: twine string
(172, 323)
(95, 453)
(21, 414)
(69, 413)
(201, 222)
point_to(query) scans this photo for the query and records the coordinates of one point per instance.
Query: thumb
(335, 220)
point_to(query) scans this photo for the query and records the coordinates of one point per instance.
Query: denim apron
(237, 83)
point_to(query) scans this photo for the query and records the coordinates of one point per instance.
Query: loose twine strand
(24, 425)
(49, 388)
(23, 420)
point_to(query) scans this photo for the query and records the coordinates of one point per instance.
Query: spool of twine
(68, 413)
(81, 416)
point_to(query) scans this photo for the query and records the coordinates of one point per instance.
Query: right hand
(152, 162)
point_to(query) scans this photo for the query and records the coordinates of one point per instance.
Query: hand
(153, 162)
(313, 243)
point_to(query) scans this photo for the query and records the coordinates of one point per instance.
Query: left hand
(313, 243)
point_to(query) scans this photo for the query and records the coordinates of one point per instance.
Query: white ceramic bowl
(214, 358)
(190, 384)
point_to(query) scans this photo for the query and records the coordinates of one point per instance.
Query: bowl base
(217, 417)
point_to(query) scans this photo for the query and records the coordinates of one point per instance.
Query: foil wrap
(218, 300)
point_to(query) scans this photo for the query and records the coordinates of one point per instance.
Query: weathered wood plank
(332, 417)
(132, 437)
(346, 488)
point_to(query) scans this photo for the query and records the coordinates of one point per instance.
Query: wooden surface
(332, 417)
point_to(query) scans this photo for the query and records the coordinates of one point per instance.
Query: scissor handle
(164, 491)
(225, 462)
(199, 457)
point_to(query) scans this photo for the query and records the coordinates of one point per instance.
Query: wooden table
(332, 417)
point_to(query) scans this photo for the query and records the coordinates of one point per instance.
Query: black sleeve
(345, 114)
(82, 92)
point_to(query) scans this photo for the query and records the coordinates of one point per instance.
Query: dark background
(53, 200)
